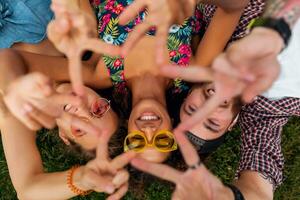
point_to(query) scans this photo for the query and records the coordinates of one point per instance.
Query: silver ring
(196, 166)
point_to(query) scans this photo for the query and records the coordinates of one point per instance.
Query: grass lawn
(223, 163)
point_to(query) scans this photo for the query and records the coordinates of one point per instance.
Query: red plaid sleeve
(261, 123)
(253, 10)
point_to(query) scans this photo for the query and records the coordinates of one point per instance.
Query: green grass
(223, 163)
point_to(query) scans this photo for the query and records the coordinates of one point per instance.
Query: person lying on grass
(101, 174)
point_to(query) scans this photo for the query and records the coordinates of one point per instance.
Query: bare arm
(20, 149)
(253, 186)
(227, 4)
(217, 35)
(29, 180)
(56, 68)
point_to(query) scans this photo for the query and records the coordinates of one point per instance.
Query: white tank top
(288, 82)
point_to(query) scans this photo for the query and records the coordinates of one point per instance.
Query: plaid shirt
(261, 123)
(253, 10)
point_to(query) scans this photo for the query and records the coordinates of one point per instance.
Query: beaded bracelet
(70, 184)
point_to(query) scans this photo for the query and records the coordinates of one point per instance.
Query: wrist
(78, 180)
(228, 193)
(74, 182)
(233, 192)
(276, 41)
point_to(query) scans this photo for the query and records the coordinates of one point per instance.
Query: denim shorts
(23, 21)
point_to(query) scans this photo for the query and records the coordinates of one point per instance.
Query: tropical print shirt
(179, 41)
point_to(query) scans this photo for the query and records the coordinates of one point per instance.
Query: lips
(149, 116)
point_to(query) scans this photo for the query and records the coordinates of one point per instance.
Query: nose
(149, 132)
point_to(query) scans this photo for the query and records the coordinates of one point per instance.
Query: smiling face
(213, 126)
(96, 112)
(149, 117)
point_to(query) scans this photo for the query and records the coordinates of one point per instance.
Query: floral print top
(179, 41)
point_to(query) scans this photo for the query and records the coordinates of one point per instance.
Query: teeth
(149, 118)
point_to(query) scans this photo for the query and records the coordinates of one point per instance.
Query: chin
(154, 156)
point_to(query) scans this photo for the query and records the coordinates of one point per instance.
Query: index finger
(207, 108)
(132, 11)
(98, 46)
(159, 170)
(188, 151)
(161, 42)
(122, 160)
(81, 124)
(134, 36)
(102, 148)
(191, 73)
(75, 71)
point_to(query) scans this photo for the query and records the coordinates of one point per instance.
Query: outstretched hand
(73, 32)
(105, 175)
(246, 69)
(33, 100)
(193, 184)
(161, 14)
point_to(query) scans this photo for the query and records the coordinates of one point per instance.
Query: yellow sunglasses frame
(152, 144)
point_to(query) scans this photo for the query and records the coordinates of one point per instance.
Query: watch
(236, 192)
(278, 25)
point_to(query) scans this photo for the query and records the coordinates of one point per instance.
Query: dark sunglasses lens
(164, 141)
(99, 107)
(135, 142)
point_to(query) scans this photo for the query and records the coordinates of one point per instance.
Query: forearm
(11, 67)
(287, 9)
(253, 186)
(57, 69)
(49, 186)
(29, 180)
(214, 40)
(227, 5)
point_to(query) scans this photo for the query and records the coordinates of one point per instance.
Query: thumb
(255, 89)
(95, 181)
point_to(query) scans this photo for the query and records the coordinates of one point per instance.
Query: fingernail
(67, 107)
(123, 54)
(110, 189)
(28, 108)
(249, 77)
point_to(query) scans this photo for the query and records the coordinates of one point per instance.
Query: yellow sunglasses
(163, 141)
